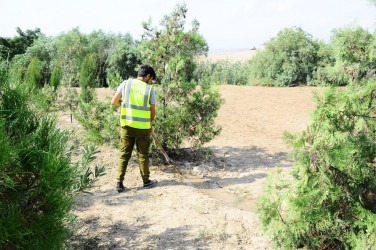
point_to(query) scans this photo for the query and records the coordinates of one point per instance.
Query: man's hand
(116, 100)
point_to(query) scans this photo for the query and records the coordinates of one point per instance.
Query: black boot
(150, 183)
(119, 187)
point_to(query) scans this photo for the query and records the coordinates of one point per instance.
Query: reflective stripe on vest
(135, 111)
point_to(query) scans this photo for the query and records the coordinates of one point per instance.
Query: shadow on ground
(228, 159)
(119, 235)
(224, 166)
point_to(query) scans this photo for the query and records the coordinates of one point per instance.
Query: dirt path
(215, 209)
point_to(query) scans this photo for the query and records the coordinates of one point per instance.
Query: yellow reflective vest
(135, 108)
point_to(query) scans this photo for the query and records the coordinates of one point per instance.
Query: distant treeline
(116, 55)
(291, 58)
(294, 57)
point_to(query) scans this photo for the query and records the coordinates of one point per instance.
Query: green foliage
(222, 72)
(123, 59)
(113, 79)
(9, 47)
(95, 116)
(69, 49)
(56, 76)
(114, 54)
(88, 78)
(4, 71)
(289, 59)
(37, 177)
(186, 111)
(33, 76)
(17, 69)
(88, 71)
(353, 57)
(86, 176)
(331, 203)
(99, 120)
(100, 44)
(171, 49)
(45, 100)
(70, 100)
(352, 50)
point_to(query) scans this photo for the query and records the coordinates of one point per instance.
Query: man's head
(146, 72)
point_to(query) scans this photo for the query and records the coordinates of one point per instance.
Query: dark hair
(144, 70)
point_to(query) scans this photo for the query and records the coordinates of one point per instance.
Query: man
(137, 100)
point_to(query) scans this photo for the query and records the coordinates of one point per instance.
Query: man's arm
(152, 112)
(116, 100)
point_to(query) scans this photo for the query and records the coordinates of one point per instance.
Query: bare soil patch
(216, 207)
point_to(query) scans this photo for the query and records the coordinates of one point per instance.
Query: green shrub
(4, 71)
(40, 49)
(56, 77)
(352, 58)
(17, 69)
(95, 116)
(88, 73)
(45, 100)
(88, 78)
(289, 59)
(37, 177)
(84, 171)
(100, 121)
(352, 47)
(331, 201)
(33, 76)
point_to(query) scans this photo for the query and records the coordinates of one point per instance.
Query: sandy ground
(215, 208)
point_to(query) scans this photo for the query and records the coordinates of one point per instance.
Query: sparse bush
(17, 69)
(331, 201)
(70, 100)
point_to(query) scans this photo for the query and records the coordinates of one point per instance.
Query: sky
(226, 25)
